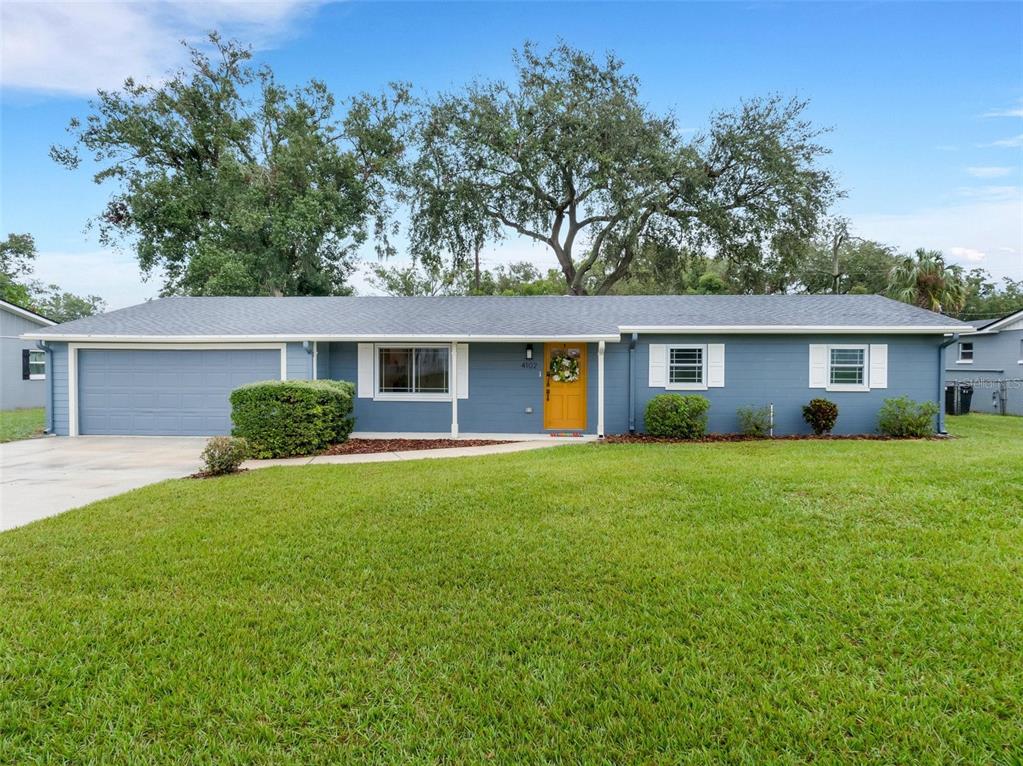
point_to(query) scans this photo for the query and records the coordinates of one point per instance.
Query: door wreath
(564, 365)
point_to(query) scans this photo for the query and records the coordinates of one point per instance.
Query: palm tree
(924, 280)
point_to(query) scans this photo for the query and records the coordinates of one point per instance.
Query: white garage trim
(72, 362)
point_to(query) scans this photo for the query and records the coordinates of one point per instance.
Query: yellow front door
(564, 402)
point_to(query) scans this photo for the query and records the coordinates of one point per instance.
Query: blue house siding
(765, 369)
(759, 370)
(323, 360)
(299, 362)
(15, 391)
(59, 375)
(503, 385)
(996, 367)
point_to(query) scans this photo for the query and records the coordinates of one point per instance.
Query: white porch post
(453, 385)
(600, 389)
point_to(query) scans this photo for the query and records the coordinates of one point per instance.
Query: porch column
(600, 389)
(453, 386)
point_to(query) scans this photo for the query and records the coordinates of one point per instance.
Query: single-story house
(22, 364)
(991, 359)
(482, 365)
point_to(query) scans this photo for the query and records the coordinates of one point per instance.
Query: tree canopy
(570, 157)
(925, 280)
(231, 184)
(17, 263)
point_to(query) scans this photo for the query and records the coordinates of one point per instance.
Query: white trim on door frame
(72, 363)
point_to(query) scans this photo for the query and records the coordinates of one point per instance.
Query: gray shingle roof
(508, 317)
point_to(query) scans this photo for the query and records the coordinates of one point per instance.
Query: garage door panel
(165, 392)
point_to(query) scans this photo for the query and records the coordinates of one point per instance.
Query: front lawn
(21, 424)
(753, 602)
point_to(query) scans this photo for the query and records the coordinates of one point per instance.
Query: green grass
(21, 424)
(749, 603)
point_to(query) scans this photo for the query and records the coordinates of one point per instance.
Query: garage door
(164, 393)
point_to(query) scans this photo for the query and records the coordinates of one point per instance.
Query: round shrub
(224, 454)
(677, 416)
(901, 416)
(821, 414)
(282, 418)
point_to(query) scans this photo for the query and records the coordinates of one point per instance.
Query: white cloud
(112, 275)
(1009, 143)
(989, 193)
(1015, 111)
(988, 171)
(986, 227)
(966, 253)
(77, 47)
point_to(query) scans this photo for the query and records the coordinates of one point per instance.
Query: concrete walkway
(47, 476)
(422, 454)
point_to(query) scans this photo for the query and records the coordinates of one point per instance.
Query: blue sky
(925, 100)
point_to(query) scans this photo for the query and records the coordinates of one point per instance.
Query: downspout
(49, 384)
(632, 382)
(941, 382)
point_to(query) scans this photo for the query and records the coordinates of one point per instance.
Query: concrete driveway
(47, 476)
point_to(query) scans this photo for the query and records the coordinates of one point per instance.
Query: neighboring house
(22, 364)
(992, 360)
(439, 365)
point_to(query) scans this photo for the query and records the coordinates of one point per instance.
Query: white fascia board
(993, 327)
(795, 329)
(26, 314)
(319, 338)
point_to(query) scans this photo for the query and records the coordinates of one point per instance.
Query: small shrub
(821, 414)
(902, 416)
(755, 421)
(677, 416)
(281, 418)
(224, 454)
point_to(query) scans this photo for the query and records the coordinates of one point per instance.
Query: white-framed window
(966, 352)
(847, 368)
(687, 368)
(35, 364)
(406, 372)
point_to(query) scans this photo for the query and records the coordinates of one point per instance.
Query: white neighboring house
(22, 364)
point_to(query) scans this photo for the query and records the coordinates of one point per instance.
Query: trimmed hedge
(282, 418)
(677, 416)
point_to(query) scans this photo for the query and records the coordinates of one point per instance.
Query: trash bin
(965, 398)
(950, 399)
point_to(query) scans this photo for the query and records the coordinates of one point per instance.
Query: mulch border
(372, 446)
(725, 438)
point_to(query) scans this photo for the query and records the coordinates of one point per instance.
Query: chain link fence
(1003, 396)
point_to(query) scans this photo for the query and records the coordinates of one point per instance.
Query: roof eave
(800, 329)
(27, 314)
(365, 338)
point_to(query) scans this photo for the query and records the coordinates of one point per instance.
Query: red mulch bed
(713, 438)
(366, 446)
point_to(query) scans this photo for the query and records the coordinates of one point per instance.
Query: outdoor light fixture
(529, 351)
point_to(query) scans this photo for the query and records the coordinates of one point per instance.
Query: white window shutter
(818, 366)
(715, 365)
(365, 371)
(462, 378)
(658, 365)
(878, 365)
